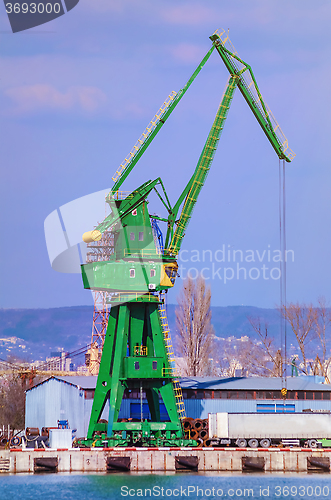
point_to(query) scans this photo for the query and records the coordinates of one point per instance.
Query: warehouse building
(71, 398)
(61, 398)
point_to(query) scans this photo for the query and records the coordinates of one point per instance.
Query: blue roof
(254, 383)
(302, 383)
(82, 382)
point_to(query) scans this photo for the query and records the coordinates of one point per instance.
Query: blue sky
(76, 93)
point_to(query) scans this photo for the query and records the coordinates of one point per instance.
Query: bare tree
(311, 328)
(302, 320)
(12, 402)
(273, 355)
(195, 333)
(321, 326)
(242, 355)
(230, 358)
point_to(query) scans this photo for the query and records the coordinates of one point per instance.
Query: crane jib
(251, 93)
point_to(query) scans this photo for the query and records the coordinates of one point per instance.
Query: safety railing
(247, 79)
(130, 296)
(140, 350)
(142, 252)
(118, 195)
(144, 136)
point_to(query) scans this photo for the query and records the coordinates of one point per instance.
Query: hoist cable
(282, 268)
(284, 264)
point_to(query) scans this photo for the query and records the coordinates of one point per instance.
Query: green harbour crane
(137, 353)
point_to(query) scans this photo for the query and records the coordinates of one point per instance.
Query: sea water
(72, 486)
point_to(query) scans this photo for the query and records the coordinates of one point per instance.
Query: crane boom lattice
(203, 166)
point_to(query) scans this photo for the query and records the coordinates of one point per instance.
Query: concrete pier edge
(163, 459)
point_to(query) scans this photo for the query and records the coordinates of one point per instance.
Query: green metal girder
(132, 327)
(264, 121)
(144, 434)
(130, 203)
(170, 109)
(198, 179)
(108, 383)
(145, 369)
(137, 426)
(152, 397)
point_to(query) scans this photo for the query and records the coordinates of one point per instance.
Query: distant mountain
(32, 334)
(233, 320)
(35, 333)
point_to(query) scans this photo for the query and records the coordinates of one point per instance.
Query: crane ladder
(204, 164)
(171, 357)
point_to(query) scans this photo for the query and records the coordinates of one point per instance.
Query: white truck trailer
(266, 429)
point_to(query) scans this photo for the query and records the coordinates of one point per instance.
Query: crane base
(134, 441)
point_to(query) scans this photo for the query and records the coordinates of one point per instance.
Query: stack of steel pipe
(197, 428)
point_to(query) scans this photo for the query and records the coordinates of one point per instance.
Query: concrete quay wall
(164, 459)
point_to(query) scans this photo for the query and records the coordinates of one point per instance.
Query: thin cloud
(188, 53)
(104, 6)
(188, 15)
(43, 97)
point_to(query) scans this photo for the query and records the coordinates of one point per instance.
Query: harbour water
(101, 486)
